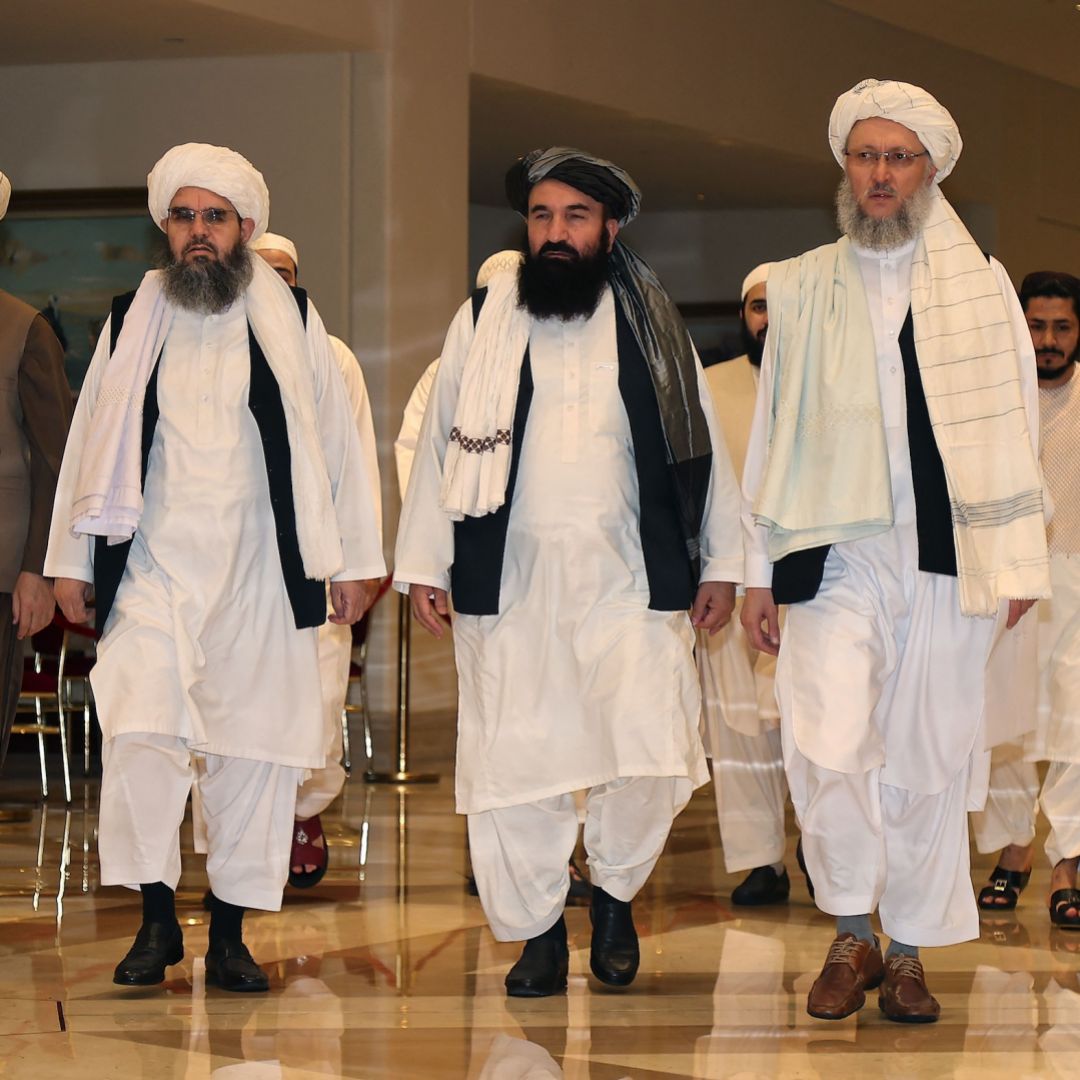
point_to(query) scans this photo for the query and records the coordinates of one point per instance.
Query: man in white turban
(35, 410)
(742, 723)
(213, 481)
(308, 858)
(571, 492)
(892, 498)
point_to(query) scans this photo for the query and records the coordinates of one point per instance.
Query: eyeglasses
(211, 216)
(900, 158)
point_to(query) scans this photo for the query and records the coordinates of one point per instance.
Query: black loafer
(230, 966)
(614, 956)
(543, 964)
(156, 946)
(763, 885)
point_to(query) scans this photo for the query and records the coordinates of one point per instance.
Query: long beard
(208, 286)
(752, 346)
(556, 289)
(881, 234)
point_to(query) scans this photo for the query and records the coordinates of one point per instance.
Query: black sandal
(1060, 902)
(1007, 884)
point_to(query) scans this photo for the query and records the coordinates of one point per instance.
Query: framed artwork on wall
(68, 253)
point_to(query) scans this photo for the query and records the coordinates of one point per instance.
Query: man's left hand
(351, 599)
(1017, 608)
(32, 604)
(713, 605)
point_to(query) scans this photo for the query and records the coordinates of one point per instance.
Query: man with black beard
(212, 481)
(1051, 302)
(893, 500)
(571, 491)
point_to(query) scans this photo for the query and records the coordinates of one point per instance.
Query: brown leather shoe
(852, 967)
(904, 995)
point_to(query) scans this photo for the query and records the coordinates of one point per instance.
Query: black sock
(158, 903)
(226, 922)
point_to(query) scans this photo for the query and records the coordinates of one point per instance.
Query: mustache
(882, 187)
(1050, 352)
(558, 247)
(199, 241)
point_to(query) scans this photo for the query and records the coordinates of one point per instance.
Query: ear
(930, 174)
(247, 227)
(611, 227)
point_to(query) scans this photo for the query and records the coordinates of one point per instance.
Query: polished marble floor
(386, 970)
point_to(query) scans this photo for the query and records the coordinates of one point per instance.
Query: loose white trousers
(519, 853)
(247, 807)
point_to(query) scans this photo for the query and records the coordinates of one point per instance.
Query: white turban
(493, 264)
(756, 276)
(5, 194)
(215, 168)
(906, 104)
(275, 242)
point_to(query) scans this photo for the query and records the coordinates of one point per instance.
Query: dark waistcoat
(480, 542)
(797, 577)
(307, 598)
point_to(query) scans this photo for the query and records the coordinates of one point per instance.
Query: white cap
(270, 241)
(756, 276)
(494, 264)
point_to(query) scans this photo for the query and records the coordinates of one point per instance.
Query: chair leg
(41, 749)
(86, 728)
(346, 759)
(365, 716)
(65, 732)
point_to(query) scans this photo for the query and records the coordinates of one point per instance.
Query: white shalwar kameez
(880, 679)
(742, 721)
(1011, 806)
(200, 653)
(575, 683)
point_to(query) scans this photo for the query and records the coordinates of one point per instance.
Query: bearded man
(571, 492)
(212, 482)
(1051, 303)
(892, 498)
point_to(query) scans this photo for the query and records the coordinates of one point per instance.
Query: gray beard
(881, 234)
(208, 287)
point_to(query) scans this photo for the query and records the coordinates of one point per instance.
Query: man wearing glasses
(213, 481)
(892, 498)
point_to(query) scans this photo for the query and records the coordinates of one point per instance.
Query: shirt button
(892, 370)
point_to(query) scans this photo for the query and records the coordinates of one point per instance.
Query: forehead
(555, 194)
(276, 257)
(877, 131)
(1050, 307)
(755, 292)
(198, 198)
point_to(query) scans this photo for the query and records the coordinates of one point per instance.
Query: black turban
(599, 179)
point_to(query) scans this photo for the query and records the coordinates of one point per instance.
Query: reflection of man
(898, 512)
(214, 445)
(738, 698)
(308, 859)
(35, 411)
(567, 479)
(1051, 302)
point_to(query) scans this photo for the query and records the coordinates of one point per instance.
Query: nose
(881, 170)
(558, 230)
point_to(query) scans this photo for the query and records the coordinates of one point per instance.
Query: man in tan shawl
(892, 498)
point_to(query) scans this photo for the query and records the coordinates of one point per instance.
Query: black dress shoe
(156, 946)
(614, 956)
(543, 964)
(230, 966)
(763, 885)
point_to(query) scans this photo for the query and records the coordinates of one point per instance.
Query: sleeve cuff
(758, 571)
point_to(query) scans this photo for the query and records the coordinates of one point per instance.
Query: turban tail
(215, 168)
(905, 104)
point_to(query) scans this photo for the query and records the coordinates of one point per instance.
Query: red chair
(357, 668)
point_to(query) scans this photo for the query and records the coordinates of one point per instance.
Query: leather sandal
(305, 852)
(1003, 892)
(1060, 902)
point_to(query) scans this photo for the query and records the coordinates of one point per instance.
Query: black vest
(797, 577)
(306, 597)
(480, 542)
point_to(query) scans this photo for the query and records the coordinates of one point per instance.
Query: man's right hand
(761, 620)
(72, 594)
(428, 604)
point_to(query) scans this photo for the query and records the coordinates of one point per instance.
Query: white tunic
(201, 642)
(877, 579)
(575, 682)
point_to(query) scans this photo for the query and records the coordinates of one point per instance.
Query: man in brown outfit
(35, 411)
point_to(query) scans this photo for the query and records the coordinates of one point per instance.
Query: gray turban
(5, 194)
(597, 178)
(215, 168)
(906, 104)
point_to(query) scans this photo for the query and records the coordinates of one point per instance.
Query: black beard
(557, 289)
(1050, 374)
(208, 286)
(754, 348)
